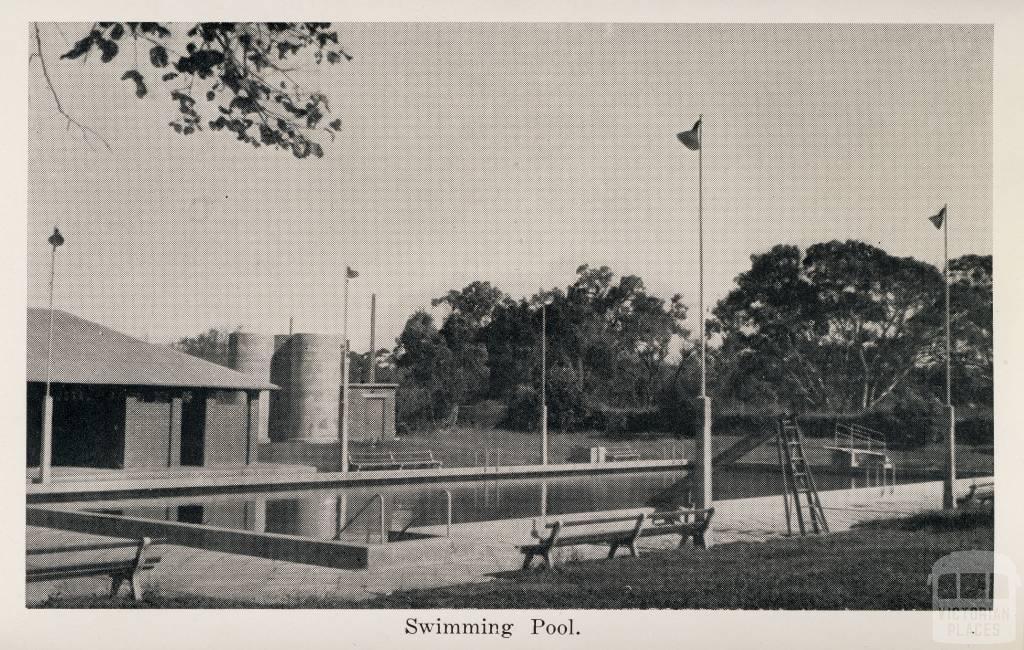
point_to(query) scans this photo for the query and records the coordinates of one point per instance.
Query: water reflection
(355, 514)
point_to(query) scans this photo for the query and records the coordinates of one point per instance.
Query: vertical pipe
(949, 338)
(948, 500)
(448, 528)
(700, 263)
(543, 383)
(544, 501)
(344, 385)
(46, 448)
(373, 339)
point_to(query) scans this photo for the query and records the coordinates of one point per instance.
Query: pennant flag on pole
(691, 138)
(350, 273)
(938, 218)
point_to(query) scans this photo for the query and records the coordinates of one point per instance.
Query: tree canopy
(842, 326)
(607, 345)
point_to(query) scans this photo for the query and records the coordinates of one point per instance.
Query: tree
(970, 278)
(839, 328)
(211, 345)
(615, 335)
(232, 77)
(427, 363)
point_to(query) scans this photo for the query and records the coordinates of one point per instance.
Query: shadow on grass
(938, 520)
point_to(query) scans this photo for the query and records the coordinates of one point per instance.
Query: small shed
(372, 408)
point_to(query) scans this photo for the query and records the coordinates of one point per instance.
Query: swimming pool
(355, 513)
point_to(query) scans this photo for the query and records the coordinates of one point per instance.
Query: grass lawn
(881, 566)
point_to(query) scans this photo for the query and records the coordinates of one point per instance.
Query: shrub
(522, 411)
(414, 407)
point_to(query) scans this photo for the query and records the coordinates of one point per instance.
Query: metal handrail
(448, 526)
(383, 533)
(857, 433)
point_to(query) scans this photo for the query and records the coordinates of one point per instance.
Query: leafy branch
(85, 130)
(242, 72)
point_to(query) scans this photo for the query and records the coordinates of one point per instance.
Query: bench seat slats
(672, 523)
(393, 459)
(621, 452)
(39, 574)
(105, 546)
(127, 569)
(585, 522)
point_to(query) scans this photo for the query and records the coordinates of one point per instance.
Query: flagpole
(949, 337)
(344, 378)
(948, 495)
(543, 380)
(700, 255)
(46, 446)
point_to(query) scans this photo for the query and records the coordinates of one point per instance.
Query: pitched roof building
(123, 403)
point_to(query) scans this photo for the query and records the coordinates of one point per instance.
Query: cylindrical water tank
(315, 386)
(280, 376)
(252, 354)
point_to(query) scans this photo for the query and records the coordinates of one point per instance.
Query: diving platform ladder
(798, 481)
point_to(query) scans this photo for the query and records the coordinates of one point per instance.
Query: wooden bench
(392, 460)
(620, 452)
(981, 492)
(662, 523)
(128, 569)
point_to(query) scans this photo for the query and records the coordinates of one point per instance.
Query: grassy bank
(464, 447)
(881, 566)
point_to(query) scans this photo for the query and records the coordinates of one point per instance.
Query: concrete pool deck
(476, 550)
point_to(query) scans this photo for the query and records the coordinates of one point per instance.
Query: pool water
(354, 513)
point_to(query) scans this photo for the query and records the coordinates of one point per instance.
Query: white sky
(510, 153)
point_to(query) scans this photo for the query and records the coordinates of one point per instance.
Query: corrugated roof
(89, 353)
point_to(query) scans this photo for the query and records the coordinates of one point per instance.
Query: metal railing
(383, 531)
(859, 437)
(448, 516)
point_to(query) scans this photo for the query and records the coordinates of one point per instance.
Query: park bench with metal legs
(125, 570)
(621, 452)
(980, 492)
(662, 523)
(393, 460)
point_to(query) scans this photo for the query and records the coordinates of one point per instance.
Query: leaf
(158, 56)
(210, 95)
(169, 76)
(81, 47)
(336, 124)
(117, 32)
(108, 50)
(140, 84)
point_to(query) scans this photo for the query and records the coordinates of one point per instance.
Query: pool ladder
(797, 479)
(384, 530)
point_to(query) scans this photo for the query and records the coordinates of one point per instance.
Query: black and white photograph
(501, 322)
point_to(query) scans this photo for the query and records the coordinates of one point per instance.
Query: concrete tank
(281, 376)
(315, 385)
(252, 354)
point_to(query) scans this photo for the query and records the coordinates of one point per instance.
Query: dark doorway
(375, 418)
(88, 425)
(193, 428)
